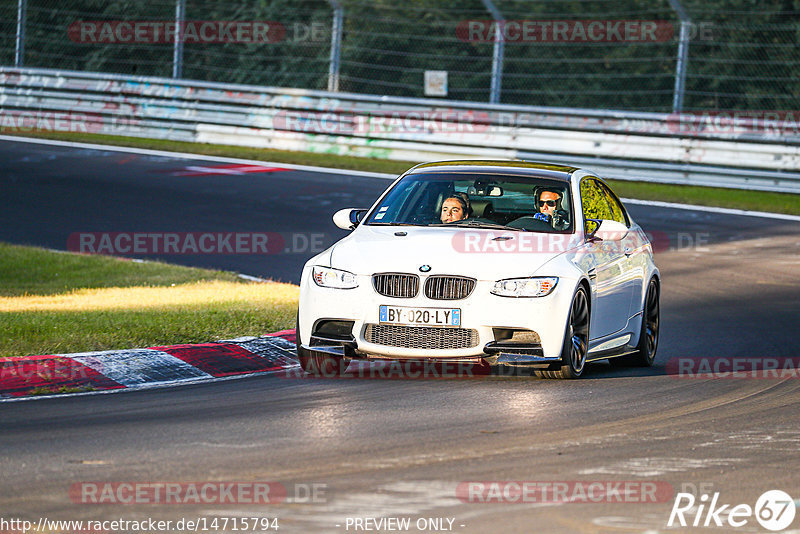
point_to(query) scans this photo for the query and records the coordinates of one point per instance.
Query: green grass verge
(36, 271)
(704, 196)
(76, 303)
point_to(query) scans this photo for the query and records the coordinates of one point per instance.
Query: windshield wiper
(478, 224)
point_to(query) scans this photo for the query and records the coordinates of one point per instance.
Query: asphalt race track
(397, 448)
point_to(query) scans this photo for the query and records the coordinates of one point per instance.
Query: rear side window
(617, 211)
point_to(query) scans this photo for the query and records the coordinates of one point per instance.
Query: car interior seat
(481, 207)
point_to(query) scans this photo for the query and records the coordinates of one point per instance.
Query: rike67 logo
(774, 510)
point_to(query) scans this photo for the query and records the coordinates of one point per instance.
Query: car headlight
(336, 278)
(538, 286)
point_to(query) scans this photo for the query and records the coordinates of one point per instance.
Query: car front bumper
(481, 312)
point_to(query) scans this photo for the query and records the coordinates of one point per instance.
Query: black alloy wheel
(576, 340)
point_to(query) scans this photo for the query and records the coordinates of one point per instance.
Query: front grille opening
(440, 287)
(421, 337)
(396, 285)
(334, 329)
(515, 335)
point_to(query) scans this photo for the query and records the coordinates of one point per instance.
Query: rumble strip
(137, 368)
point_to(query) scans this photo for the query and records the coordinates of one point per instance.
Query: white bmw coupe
(502, 262)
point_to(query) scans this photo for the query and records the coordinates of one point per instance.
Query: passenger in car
(455, 207)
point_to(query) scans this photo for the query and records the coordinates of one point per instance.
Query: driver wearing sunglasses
(550, 210)
(548, 201)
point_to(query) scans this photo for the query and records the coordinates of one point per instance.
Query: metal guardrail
(337, 23)
(624, 145)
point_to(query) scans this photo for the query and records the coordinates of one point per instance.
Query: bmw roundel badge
(425, 268)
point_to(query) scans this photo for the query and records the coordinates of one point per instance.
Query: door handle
(628, 251)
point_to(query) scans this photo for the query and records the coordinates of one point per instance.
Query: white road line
(712, 209)
(251, 278)
(328, 170)
(186, 155)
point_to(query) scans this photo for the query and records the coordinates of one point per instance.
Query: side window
(617, 212)
(594, 204)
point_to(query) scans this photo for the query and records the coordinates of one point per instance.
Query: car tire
(645, 353)
(576, 340)
(315, 363)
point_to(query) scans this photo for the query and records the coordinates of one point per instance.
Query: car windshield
(487, 201)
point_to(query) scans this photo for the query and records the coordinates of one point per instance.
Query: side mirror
(348, 218)
(609, 230)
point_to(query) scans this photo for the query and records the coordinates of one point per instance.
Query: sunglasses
(551, 203)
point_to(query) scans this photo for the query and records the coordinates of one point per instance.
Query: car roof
(516, 168)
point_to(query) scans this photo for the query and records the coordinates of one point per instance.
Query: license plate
(419, 316)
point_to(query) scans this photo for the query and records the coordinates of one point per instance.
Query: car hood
(478, 253)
